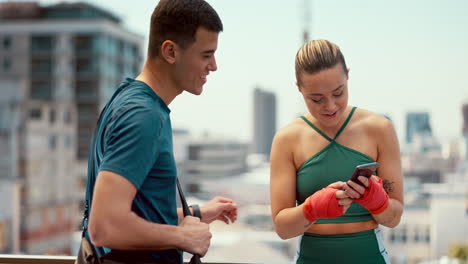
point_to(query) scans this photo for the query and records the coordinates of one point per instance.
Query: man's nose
(212, 66)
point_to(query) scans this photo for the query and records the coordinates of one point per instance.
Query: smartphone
(365, 170)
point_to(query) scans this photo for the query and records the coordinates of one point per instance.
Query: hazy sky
(404, 56)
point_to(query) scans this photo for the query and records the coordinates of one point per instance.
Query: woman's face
(326, 95)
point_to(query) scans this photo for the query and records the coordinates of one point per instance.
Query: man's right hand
(197, 236)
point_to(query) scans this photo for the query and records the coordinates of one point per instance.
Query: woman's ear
(168, 51)
(298, 87)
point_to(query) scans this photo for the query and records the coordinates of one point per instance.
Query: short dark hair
(178, 20)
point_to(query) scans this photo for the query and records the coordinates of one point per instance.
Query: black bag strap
(185, 208)
(92, 175)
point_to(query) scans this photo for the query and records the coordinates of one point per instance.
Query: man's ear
(168, 51)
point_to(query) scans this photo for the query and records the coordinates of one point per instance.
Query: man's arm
(218, 208)
(112, 223)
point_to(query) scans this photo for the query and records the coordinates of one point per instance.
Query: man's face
(196, 62)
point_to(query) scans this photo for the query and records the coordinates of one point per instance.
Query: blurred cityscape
(58, 66)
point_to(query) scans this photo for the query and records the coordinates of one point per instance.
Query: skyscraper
(58, 66)
(67, 51)
(465, 127)
(264, 118)
(465, 119)
(417, 123)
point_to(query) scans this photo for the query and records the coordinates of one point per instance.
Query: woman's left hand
(343, 198)
(372, 196)
(219, 208)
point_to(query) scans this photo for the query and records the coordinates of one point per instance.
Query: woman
(313, 157)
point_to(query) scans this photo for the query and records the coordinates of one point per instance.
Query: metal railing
(35, 259)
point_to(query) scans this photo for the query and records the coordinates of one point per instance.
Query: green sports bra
(333, 163)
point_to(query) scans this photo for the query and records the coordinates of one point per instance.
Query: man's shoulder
(137, 98)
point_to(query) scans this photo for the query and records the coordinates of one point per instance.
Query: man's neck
(159, 79)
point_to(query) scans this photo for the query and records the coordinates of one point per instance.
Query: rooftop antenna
(306, 8)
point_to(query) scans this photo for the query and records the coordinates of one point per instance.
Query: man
(133, 202)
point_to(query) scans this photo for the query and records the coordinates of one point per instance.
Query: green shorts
(363, 247)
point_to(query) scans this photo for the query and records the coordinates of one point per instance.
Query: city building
(417, 123)
(264, 121)
(465, 127)
(72, 51)
(9, 229)
(435, 218)
(58, 65)
(207, 158)
(210, 157)
(419, 137)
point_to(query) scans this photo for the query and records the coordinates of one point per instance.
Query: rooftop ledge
(35, 259)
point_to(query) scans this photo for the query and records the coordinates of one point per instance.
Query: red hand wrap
(322, 204)
(374, 199)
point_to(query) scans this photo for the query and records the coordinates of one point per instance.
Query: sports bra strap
(339, 131)
(345, 123)
(316, 129)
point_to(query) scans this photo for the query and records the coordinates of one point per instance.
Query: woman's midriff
(342, 228)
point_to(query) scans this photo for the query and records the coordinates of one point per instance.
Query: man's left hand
(219, 208)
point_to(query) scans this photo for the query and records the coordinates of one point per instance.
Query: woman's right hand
(329, 202)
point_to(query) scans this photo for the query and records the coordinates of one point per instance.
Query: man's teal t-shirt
(134, 140)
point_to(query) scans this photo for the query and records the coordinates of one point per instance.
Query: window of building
(403, 235)
(135, 51)
(87, 113)
(68, 141)
(67, 117)
(6, 65)
(466, 207)
(42, 43)
(41, 89)
(86, 43)
(52, 116)
(6, 43)
(35, 113)
(427, 236)
(86, 64)
(52, 142)
(120, 47)
(86, 89)
(41, 65)
(416, 235)
(194, 152)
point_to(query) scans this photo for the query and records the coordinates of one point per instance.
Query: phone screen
(365, 170)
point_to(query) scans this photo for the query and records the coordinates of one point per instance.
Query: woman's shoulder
(290, 131)
(372, 121)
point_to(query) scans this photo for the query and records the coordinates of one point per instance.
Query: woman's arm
(390, 173)
(288, 219)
